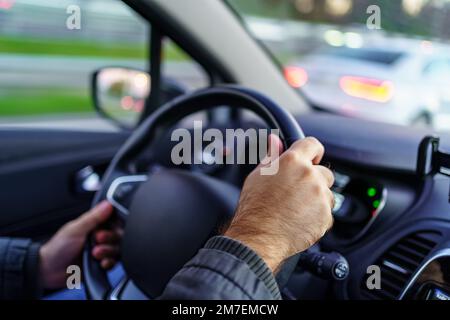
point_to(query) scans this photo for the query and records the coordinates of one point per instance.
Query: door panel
(37, 176)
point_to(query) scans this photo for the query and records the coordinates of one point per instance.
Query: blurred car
(377, 82)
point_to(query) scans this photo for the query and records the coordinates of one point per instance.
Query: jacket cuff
(250, 257)
(19, 265)
(32, 274)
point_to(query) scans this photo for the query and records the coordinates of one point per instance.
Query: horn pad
(171, 217)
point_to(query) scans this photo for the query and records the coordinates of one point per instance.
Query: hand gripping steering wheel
(169, 214)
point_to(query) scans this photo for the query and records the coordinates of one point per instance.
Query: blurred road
(50, 71)
(18, 71)
(84, 122)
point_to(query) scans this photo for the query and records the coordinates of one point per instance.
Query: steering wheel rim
(95, 278)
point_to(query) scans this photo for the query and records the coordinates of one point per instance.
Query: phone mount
(431, 160)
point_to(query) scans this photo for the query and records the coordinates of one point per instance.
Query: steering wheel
(169, 214)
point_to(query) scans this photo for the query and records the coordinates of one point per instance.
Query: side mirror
(120, 94)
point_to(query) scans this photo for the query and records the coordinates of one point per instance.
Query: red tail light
(366, 88)
(296, 76)
(6, 4)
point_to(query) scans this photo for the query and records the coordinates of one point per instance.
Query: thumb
(93, 218)
(275, 148)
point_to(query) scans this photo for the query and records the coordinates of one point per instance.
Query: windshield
(384, 60)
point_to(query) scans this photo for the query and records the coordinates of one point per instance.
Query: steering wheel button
(121, 190)
(124, 190)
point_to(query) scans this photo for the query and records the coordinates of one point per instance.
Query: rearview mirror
(120, 94)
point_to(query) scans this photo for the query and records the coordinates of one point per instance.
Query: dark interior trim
(185, 40)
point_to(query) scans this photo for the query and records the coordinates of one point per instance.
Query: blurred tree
(430, 21)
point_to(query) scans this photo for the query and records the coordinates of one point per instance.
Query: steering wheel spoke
(121, 191)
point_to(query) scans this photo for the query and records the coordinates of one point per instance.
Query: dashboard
(395, 222)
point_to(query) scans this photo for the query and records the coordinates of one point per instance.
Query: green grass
(40, 46)
(28, 102)
(79, 48)
(173, 53)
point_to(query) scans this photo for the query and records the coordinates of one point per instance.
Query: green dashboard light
(376, 204)
(371, 192)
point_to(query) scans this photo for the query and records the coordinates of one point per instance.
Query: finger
(274, 149)
(107, 263)
(330, 226)
(103, 251)
(94, 217)
(107, 237)
(310, 148)
(332, 200)
(327, 174)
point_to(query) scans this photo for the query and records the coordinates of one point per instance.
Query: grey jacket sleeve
(224, 269)
(19, 262)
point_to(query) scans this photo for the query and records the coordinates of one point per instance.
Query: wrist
(271, 251)
(44, 268)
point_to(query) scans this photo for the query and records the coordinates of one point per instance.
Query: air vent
(399, 263)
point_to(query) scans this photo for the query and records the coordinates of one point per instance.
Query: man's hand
(286, 213)
(66, 246)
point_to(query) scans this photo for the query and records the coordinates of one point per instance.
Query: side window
(178, 66)
(50, 49)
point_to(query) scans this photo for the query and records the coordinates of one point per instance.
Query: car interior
(392, 182)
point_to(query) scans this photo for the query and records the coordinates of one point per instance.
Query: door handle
(87, 180)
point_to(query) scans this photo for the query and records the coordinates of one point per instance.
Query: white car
(405, 84)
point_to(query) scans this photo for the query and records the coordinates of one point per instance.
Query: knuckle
(308, 172)
(299, 143)
(329, 173)
(305, 143)
(292, 157)
(318, 184)
(317, 189)
(313, 142)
